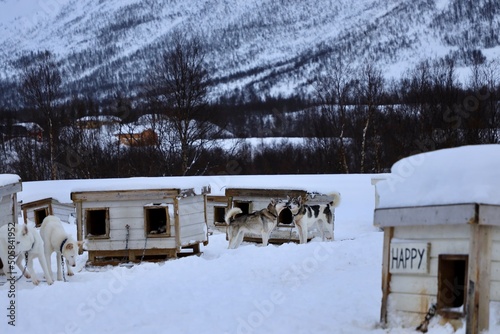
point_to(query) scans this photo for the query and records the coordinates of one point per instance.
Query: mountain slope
(272, 46)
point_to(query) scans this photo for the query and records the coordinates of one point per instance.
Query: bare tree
(370, 89)
(178, 86)
(40, 86)
(333, 91)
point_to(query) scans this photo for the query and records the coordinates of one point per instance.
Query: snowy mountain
(267, 46)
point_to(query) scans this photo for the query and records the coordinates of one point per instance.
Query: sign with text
(409, 258)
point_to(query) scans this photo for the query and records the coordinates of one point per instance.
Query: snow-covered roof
(7, 179)
(467, 174)
(62, 189)
(100, 118)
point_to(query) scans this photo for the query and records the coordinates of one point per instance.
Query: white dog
(55, 239)
(306, 216)
(27, 240)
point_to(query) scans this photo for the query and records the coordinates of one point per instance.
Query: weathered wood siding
(6, 210)
(411, 295)
(60, 210)
(122, 213)
(495, 265)
(192, 224)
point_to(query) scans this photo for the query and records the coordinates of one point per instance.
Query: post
(386, 275)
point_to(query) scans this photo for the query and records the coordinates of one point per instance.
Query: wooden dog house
(10, 185)
(250, 200)
(140, 224)
(36, 211)
(441, 253)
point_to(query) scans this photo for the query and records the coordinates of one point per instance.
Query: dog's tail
(336, 199)
(231, 213)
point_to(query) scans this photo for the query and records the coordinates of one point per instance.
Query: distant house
(27, 130)
(95, 122)
(137, 136)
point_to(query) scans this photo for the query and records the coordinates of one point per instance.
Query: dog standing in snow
(27, 240)
(55, 239)
(306, 216)
(260, 222)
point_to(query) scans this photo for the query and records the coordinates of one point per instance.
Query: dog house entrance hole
(97, 222)
(40, 215)
(157, 222)
(285, 217)
(219, 214)
(245, 206)
(452, 285)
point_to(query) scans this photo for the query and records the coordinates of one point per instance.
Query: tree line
(352, 120)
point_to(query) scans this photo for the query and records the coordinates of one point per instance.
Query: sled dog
(306, 216)
(260, 222)
(27, 240)
(55, 239)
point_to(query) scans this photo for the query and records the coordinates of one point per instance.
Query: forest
(351, 120)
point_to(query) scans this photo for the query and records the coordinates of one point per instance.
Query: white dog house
(139, 224)
(440, 212)
(10, 185)
(250, 200)
(36, 211)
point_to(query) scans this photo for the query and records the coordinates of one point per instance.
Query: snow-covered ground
(319, 287)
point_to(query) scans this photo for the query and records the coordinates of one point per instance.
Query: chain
(25, 265)
(430, 314)
(62, 266)
(127, 236)
(144, 250)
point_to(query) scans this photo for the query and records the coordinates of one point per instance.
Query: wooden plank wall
(131, 213)
(192, 224)
(411, 295)
(6, 210)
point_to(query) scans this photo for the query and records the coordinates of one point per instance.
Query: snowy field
(319, 287)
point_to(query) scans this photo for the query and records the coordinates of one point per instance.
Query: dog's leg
(302, 231)
(59, 270)
(265, 238)
(19, 262)
(29, 265)
(46, 271)
(239, 239)
(70, 272)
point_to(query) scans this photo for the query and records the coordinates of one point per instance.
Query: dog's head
(25, 239)
(277, 205)
(294, 204)
(70, 251)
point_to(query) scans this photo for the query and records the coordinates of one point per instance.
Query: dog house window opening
(245, 206)
(452, 285)
(219, 214)
(96, 222)
(285, 217)
(40, 215)
(157, 221)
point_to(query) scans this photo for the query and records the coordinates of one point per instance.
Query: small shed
(440, 213)
(37, 210)
(250, 200)
(10, 185)
(150, 224)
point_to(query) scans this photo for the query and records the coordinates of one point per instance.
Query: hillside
(266, 46)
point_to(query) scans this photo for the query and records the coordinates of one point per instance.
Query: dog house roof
(468, 174)
(7, 179)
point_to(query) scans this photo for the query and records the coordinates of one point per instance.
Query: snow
(319, 287)
(6, 179)
(467, 174)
